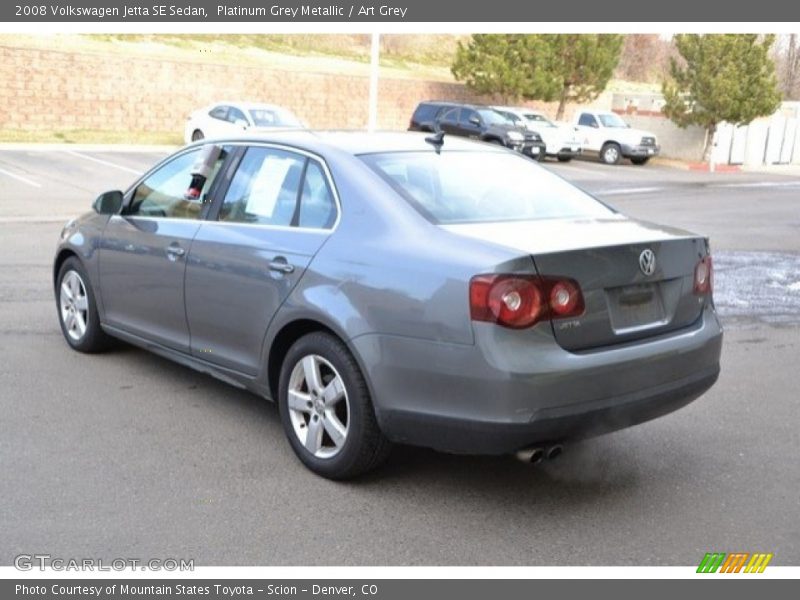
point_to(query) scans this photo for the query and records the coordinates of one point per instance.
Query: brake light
(704, 277)
(520, 301)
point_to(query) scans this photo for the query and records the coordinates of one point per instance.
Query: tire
(564, 159)
(541, 156)
(346, 439)
(197, 135)
(611, 153)
(496, 141)
(77, 309)
(640, 161)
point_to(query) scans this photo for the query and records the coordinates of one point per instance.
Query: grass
(402, 56)
(90, 136)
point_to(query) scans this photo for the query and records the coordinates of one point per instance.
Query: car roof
(355, 142)
(454, 104)
(247, 105)
(521, 110)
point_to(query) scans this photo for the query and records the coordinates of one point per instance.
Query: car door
(277, 211)
(143, 250)
(218, 123)
(238, 120)
(590, 132)
(469, 123)
(448, 121)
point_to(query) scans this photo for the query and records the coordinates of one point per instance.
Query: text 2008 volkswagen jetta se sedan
(396, 288)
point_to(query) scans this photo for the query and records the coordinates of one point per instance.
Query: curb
(717, 168)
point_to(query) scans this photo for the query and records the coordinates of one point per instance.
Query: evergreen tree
(728, 77)
(564, 68)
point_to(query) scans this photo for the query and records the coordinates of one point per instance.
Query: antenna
(436, 140)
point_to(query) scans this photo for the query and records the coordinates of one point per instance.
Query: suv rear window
(426, 112)
(475, 187)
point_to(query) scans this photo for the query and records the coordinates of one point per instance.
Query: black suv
(478, 122)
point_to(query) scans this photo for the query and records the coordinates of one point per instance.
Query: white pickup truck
(612, 139)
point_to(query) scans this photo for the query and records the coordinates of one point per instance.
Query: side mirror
(595, 125)
(475, 121)
(109, 203)
(240, 123)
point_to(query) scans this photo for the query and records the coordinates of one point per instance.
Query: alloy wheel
(319, 409)
(74, 305)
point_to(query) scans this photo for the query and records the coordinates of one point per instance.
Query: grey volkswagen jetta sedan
(396, 288)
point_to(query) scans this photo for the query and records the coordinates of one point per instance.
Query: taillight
(520, 301)
(704, 277)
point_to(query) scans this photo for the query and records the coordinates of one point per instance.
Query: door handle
(281, 266)
(175, 252)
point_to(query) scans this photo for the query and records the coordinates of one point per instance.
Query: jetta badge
(647, 262)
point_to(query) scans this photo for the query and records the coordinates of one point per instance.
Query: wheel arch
(283, 340)
(61, 258)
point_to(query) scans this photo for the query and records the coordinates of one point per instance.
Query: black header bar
(396, 11)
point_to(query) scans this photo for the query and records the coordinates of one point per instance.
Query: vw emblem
(647, 261)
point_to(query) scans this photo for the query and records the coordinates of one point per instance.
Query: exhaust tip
(530, 456)
(554, 451)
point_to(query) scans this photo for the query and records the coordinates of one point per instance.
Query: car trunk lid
(637, 278)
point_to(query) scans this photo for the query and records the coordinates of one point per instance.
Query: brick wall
(45, 89)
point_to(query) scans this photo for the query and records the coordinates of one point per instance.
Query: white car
(562, 141)
(607, 135)
(224, 119)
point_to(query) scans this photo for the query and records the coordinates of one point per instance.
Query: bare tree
(645, 57)
(787, 58)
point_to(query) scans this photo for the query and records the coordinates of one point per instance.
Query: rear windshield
(475, 187)
(426, 112)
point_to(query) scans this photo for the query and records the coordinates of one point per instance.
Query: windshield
(511, 117)
(539, 120)
(612, 120)
(492, 117)
(475, 187)
(267, 117)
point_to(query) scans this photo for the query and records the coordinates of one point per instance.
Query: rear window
(426, 112)
(475, 187)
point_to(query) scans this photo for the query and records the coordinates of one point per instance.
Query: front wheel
(611, 153)
(77, 309)
(564, 159)
(326, 410)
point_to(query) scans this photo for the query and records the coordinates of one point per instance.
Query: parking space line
(620, 191)
(21, 178)
(756, 184)
(103, 162)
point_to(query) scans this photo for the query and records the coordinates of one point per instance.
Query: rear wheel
(640, 161)
(197, 135)
(611, 153)
(326, 410)
(77, 309)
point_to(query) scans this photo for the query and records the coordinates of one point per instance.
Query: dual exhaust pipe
(536, 454)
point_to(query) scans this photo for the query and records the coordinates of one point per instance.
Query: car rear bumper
(504, 394)
(589, 419)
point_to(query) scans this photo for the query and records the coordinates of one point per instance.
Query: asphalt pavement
(127, 455)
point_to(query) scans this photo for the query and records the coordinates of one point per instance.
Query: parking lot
(126, 454)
